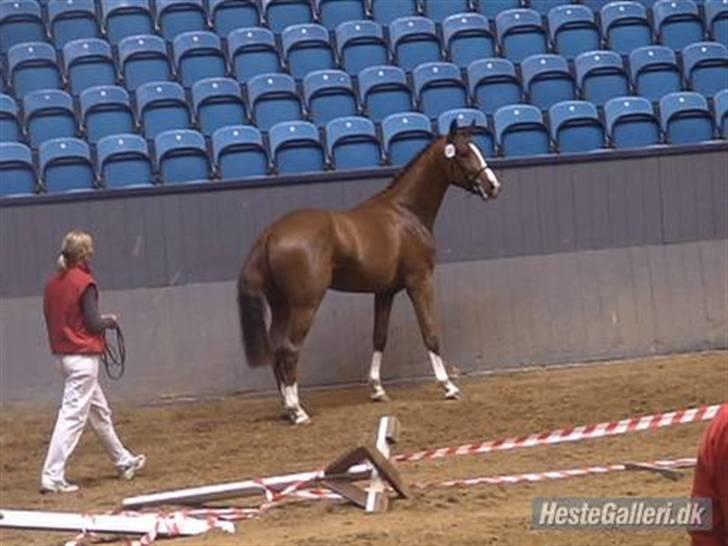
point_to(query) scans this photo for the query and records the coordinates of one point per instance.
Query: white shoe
(57, 486)
(129, 470)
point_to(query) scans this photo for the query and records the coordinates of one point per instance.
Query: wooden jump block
(375, 498)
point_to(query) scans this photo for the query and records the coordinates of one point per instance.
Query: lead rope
(114, 356)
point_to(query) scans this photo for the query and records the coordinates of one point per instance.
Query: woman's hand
(110, 318)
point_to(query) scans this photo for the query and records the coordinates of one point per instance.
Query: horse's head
(467, 167)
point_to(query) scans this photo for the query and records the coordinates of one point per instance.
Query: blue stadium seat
(295, 147)
(476, 120)
(239, 152)
(573, 30)
(127, 18)
(631, 122)
(65, 165)
(547, 80)
(520, 131)
(252, 52)
(307, 48)
(20, 21)
(106, 110)
(162, 106)
(383, 90)
(386, 11)
(601, 76)
(229, 15)
(576, 127)
(685, 118)
(716, 20)
(625, 26)
(72, 20)
(491, 8)
(88, 63)
(654, 71)
(352, 143)
(143, 59)
(721, 112)
(677, 23)
(49, 114)
(404, 136)
(198, 55)
(273, 98)
(334, 12)
(467, 38)
(439, 87)
(17, 174)
(413, 41)
(520, 34)
(361, 44)
(218, 103)
(280, 14)
(705, 65)
(329, 94)
(544, 6)
(9, 119)
(493, 83)
(33, 66)
(123, 161)
(177, 16)
(439, 10)
(182, 156)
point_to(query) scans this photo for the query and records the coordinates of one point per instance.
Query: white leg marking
(375, 380)
(293, 406)
(451, 391)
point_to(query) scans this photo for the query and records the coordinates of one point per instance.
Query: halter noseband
(471, 177)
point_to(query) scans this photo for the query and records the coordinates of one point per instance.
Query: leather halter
(471, 177)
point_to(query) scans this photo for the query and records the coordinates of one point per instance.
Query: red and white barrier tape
(575, 434)
(532, 477)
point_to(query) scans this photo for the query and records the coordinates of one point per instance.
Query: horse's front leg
(421, 291)
(382, 309)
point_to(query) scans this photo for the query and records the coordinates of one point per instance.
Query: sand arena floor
(235, 438)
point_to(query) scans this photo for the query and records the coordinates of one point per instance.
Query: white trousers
(83, 400)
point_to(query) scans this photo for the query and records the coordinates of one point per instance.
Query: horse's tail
(251, 306)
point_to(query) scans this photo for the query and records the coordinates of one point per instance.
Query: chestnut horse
(381, 246)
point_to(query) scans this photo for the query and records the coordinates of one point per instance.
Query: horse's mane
(404, 170)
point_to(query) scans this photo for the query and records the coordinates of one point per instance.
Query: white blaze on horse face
(484, 165)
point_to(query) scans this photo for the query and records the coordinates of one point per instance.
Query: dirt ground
(235, 438)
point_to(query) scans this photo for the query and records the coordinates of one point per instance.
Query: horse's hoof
(452, 392)
(299, 417)
(379, 396)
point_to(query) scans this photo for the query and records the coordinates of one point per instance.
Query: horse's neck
(422, 189)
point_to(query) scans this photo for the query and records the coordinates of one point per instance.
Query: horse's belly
(358, 279)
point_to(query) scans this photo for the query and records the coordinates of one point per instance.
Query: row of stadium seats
(239, 152)
(542, 80)
(66, 20)
(568, 30)
(198, 55)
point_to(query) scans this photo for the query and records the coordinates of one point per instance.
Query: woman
(76, 336)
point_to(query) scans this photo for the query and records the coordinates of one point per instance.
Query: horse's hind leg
(382, 309)
(421, 292)
(286, 361)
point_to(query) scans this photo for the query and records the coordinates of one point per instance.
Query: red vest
(63, 309)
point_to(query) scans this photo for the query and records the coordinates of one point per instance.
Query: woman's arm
(95, 323)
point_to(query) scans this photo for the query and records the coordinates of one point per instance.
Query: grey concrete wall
(619, 256)
(495, 314)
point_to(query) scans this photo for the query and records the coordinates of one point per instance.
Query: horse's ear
(453, 130)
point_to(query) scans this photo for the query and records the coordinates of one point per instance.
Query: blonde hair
(76, 247)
